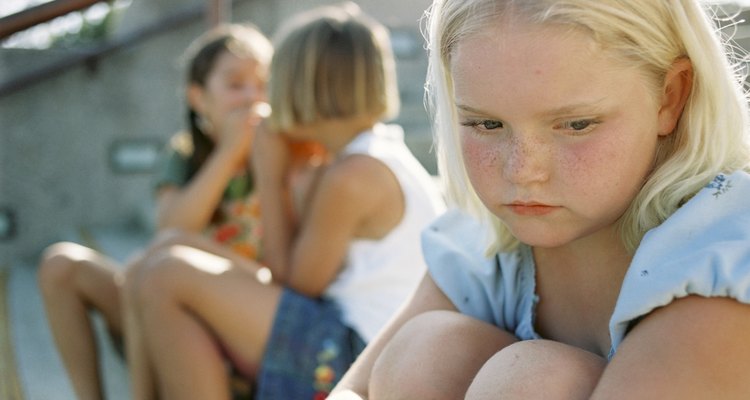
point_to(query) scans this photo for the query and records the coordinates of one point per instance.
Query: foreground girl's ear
(677, 87)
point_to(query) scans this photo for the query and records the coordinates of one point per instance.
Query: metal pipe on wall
(219, 11)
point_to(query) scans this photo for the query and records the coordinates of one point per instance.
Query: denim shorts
(308, 351)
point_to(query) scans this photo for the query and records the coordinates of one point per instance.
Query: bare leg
(538, 369)
(169, 238)
(142, 383)
(74, 279)
(435, 356)
(190, 300)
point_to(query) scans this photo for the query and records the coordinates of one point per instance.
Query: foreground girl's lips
(531, 209)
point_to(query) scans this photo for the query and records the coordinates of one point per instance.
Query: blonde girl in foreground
(598, 153)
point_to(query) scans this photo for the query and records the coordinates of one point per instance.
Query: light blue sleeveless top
(702, 249)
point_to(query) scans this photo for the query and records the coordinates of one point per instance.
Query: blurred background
(90, 92)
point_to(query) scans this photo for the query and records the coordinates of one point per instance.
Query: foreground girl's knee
(435, 355)
(538, 369)
(395, 374)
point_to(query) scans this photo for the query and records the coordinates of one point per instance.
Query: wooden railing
(42, 13)
(214, 11)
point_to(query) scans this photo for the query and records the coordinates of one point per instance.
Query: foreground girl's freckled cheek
(478, 156)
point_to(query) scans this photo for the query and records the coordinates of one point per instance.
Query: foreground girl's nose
(526, 160)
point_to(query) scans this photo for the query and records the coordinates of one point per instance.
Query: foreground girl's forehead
(529, 42)
(524, 52)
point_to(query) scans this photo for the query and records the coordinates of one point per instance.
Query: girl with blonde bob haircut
(323, 84)
(597, 152)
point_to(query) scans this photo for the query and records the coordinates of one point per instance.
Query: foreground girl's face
(557, 137)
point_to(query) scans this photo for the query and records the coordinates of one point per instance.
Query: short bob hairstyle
(711, 136)
(331, 62)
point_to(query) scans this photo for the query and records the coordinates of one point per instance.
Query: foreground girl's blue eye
(486, 124)
(579, 125)
(489, 124)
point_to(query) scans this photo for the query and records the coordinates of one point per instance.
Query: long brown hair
(201, 58)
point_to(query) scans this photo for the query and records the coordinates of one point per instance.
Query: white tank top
(378, 275)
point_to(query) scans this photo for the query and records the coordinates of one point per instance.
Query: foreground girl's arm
(427, 329)
(654, 361)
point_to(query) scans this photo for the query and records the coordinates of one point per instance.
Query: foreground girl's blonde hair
(650, 35)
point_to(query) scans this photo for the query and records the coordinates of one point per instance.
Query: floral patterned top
(239, 224)
(236, 222)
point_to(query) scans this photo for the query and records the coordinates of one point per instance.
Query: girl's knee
(58, 266)
(518, 369)
(168, 238)
(146, 279)
(420, 335)
(397, 371)
(153, 279)
(131, 279)
(133, 274)
(435, 355)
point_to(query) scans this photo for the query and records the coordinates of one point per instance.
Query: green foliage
(91, 32)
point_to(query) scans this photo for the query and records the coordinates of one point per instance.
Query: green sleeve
(172, 169)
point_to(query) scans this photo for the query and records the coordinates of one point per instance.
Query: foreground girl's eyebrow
(588, 107)
(471, 110)
(585, 107)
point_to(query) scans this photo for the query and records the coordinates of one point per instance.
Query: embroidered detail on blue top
(721, 184)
